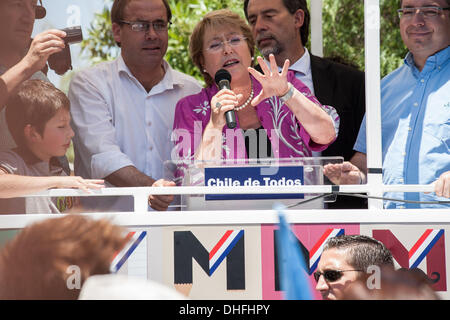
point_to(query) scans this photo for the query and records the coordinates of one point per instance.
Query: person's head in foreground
(401, 284)
(43, 259)
(345, 259)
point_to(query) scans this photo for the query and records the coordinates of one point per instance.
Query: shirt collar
(28, 157)
(169, 81)
(302, 65)
(54, 166)
(436, 60)
(171, 77)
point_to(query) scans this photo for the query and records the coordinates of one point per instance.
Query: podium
(250, 172)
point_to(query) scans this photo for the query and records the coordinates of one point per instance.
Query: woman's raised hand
(273, 83)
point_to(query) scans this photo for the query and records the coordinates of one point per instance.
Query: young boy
(38, 117)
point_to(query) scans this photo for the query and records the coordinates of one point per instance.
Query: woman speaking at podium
(246, 114)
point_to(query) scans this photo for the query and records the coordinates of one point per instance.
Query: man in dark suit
(281, 27)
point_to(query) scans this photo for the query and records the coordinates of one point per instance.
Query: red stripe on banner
(320, 242)
(219, 244)
(419, 242)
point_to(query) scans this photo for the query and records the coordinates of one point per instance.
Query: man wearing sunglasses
(415, 112)
(123, 110)
(345, 259)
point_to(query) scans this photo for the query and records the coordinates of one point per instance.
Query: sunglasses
(331, 275)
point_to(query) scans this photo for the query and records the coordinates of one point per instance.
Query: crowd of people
(128, 116)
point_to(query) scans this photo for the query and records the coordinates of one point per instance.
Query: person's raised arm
(42, 46)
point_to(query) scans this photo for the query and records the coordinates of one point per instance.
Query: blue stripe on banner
(225, 253)
(428, 248)
(130, 251)
(340, 233)
(314, 266)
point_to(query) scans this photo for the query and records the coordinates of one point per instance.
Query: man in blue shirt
(415, 111)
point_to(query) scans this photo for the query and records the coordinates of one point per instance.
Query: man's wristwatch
(288, 94)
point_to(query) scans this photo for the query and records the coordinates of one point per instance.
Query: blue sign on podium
(254, 176)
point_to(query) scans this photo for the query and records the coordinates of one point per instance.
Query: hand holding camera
(61, 61)
(42, 46)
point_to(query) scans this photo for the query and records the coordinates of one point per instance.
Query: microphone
(223, 79)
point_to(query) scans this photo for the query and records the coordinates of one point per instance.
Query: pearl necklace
(246, 102)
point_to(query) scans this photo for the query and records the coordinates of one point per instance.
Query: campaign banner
(235, 262)
(254, 176)
(240, 261)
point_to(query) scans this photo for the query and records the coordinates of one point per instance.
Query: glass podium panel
(249, 172)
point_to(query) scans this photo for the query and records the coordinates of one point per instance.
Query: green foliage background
(343, 32)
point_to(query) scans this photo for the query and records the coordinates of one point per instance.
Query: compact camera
(73, 35)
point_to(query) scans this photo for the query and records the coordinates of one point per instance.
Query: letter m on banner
(311, 257)
(230, 246)
(431, 245)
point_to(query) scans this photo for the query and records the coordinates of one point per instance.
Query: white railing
(141, 194)
(141, 217)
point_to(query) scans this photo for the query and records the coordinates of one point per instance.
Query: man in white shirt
(123, 110)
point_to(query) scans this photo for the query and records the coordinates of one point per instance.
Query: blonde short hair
(216, 19)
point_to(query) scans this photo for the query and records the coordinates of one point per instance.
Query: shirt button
(415, 104)
(421, 80)
(151, 148)
(409, 129)
(149, 123)
(401, 180)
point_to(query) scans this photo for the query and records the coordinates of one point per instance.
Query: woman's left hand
(273, 83)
